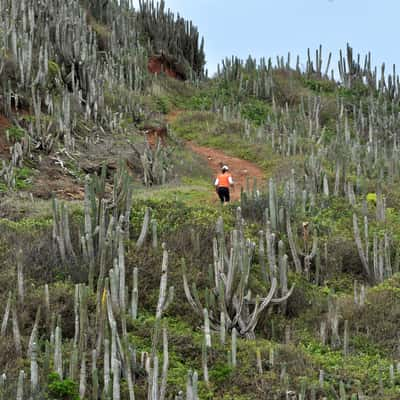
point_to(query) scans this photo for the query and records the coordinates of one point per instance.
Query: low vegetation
(120, 275)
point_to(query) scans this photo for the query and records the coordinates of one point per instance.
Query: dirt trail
(240, 169)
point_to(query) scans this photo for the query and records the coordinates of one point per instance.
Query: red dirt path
(240, 169)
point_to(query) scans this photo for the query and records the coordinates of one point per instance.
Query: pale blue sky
(274, 27)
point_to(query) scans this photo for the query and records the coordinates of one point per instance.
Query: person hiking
(222, 184)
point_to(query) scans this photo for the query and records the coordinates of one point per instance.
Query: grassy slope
(182, 205)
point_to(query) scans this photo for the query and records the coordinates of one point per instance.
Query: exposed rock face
(162, 63)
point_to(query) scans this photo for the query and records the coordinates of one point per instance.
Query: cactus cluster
(65, 63)
(229, 304)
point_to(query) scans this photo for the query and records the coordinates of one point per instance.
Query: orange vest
(223, 180)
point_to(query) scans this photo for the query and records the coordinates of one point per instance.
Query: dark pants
(223, 194)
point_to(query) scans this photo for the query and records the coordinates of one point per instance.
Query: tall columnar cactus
(6, 315)
(307, 253)
(165, 296)
(15, 328)
(58, 360)
(230, 283)
(20, 386)
(376, 259)
(34, 369)
(192, 386)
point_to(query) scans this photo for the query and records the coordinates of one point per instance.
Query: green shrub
(23, 177)
(220, 373)
(15, 134)
(320, 85)
(62, 389)
(163, 105)
(256, 111)
(200, 103)
(371, 198)
(54, 69)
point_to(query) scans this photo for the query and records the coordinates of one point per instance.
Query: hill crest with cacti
(121, 276)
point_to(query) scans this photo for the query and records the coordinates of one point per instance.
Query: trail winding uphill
(240, 169)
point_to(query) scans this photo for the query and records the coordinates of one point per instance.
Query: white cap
(225, 167)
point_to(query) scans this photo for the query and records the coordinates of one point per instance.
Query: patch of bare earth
(4, 147)
(52, 180)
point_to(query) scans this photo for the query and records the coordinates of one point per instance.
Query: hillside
(122, 277)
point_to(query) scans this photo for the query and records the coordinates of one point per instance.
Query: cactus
(116, 391)
(204, 360)
(346, 338)
(95, 376)
(34, 334)
(207, 332)
(16, 330)
(20, 279)
(158, 391)
(82, 377)
(155, 162)
(191, 386)
(234, 348)
(380, 258)
(34, 369)
(163, 387)
(259, 361)
(6, 315)
(165, 297)
(135, 294)
(145, 228)
(58, 362)
(20, 387)
(228, 299)
(106, 368)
